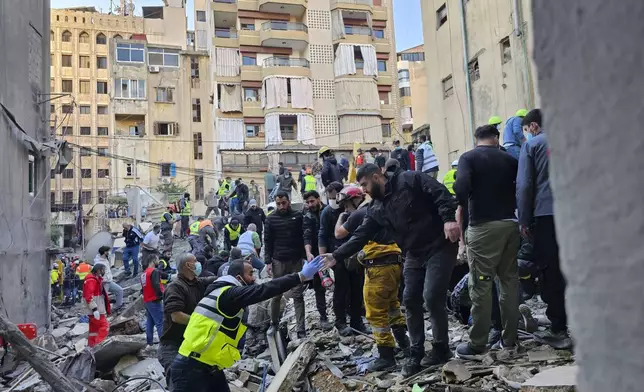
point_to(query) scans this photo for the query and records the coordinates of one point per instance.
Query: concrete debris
(455, 372)
(124, 362)
(543, 353)
(147, 368)
(60, 332)
(46, 341)
(112, 349)
(79, 329)
(559, 379)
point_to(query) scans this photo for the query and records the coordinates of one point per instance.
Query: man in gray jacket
(536, 220)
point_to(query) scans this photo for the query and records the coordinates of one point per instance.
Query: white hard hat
(455, 163)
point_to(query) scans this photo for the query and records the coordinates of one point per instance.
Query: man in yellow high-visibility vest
(450, 177)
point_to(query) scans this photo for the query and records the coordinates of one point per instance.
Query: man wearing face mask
(179, 301)
(421, 213)
(287, 183)
(255, 215)
(215, 331)
(97, 303)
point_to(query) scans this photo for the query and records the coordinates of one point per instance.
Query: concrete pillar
(591, 82)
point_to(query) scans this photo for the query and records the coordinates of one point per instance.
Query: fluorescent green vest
(449, 180)
(234, 234)
(211, 336)
(310, 183)
(194, 228)
(223, 189)
(186, 210)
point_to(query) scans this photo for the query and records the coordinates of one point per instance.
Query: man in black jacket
(311, 227)
(284, 253)
(422, 214)
(241, 191)
(255, 215)
(330, 169)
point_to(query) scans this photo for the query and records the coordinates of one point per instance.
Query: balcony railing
(225, 33)
(283, 62)
(357, 30)
(360, 2)
(284, 26)
(226, 1)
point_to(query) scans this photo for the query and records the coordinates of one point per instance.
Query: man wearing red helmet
(382, 260)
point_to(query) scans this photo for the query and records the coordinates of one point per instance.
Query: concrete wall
(24, 75)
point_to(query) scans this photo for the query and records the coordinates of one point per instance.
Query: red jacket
(412, 160)
(95, 296)
(151, 285)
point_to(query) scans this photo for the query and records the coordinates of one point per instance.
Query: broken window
(68, 197)
(166, 129)
(86, 173)
(103, 173)
(506, 50)
(86, 197)
(129, 170)
(168, 170)
(474, 71)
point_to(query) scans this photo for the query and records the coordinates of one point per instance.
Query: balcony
(229, 6)
(251, 72)
(284, 35)
(387, 110)
(360, 5)
(290, 7)
(356, 35)
(286, 66)
(226, 38)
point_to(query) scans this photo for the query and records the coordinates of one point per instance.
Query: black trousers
(347, 294)
(553, 283)
(320, 296)
(189, 375)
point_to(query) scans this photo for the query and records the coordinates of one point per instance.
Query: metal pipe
(468, 82)
(516, 18)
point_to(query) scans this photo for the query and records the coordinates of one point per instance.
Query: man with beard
(422, 214)
(283, 255)
(311, 227)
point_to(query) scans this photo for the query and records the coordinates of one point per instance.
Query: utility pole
(137, 199)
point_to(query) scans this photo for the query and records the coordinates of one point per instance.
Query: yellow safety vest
(164, 265)
(166, 217)
(194, 228)
(53, 276)
(211, 336)
(233, 234)
(186, 209)
(449, 180)
(223, 189)
(310, 183)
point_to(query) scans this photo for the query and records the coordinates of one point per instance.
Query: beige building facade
(499, 79)
(412, 87)
(290, 76)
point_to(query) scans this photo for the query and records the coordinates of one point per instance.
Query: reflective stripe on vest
(211, 336)
(223, 189)
(449, 180)
(309, 183)
(232, 233)
(186, 209)
(194, 228)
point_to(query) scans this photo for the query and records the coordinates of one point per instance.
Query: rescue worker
(330, 169)
(167, 222)
(211, 203)
(309, 183)
(133, 238)
(216, 328)
(70, 287)
(208, 234)
(232, 231)
(239, 197)
(97, 303)
(194, 233)
(428, 232)
(378, 157)
(382, 260)
(450, 178)
(164, 266)
(82, 271)
(310, 228)
(513, 137)
(495, 121)
(152, 290)
(150, 244)
(185, 211)
(54, 280)
(111, 287)
(222, 192)
(426, 160)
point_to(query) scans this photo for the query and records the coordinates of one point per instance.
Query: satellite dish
(102, 238)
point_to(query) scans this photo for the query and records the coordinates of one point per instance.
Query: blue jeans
(232, 205)
(131, 253)
(154, 313)
(256, 262)
(190, 375)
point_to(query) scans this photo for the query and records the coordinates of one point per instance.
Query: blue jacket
(534, 196)
(133, 237)
(513, 136)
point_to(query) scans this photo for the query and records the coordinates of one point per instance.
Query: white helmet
(455, 163)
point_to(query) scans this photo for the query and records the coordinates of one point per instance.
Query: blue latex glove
(312, 267)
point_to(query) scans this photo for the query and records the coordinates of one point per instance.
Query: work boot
(493, 337)
(384, 361)
(530, 325)
(344, 330)
(325, 324)
(412, 366)
(558, 340)
(466, 351)
(400, 334)
(362, 327)
(440, 353)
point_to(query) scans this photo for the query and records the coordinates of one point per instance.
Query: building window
(377, 3)
(103, 173)
(134, 130)
(101, 87)
(288, 131)
(86, 173)
(199, 186)
(168, 170)
(102, 196)
(68, 109)
(201, 16)
(384, 97)
(379, 33)
(102, 131)
(194, 67)
(83, 61)
(252, 130)
(67, 36)
(249, 59)
(196, 110)
(85, 109)
(441, 16)
(83, 38)
(32, 175)
(386, 130)
(67, 131)
(251, 94)
(166, 129)
(101, 109)
(66, 60)
(101, 62)
(129, 89)
(85, 131)
(84, 86)
(163, 57)
(102, 151)
(405, 91)
(130, 53)
(197, 145)
(52, 109)
(248, 26)
(129, 170)
(68, 174)
(448, 86)
(68, 197)
(473, 68)
(416, 56)
(382, 65)
(506, 50)
(52, 198)
(85, 152)
(101, 39)
(118, 36)
(165, 94)
(86, 197)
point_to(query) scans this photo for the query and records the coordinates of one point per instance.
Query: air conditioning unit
(154, 68)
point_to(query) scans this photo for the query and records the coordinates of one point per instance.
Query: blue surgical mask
(197, 268)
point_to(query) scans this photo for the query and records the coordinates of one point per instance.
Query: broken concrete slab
(150, 367)
(543, 353)
(133, 308)
(46, 341)
(79, 329)
(129, 290)
(125, 326)
(455, 372)
(103, 385)
(293, 367)
(109, 351)
(80, 345)
(60, 332)
(124, 362)
(559, 379)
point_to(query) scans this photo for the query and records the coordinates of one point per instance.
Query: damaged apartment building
(135, 109)
(291, 76)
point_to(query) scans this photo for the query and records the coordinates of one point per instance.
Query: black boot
(439, 354)
(343, 329)
(384, 361)
(400, 334)
(360, 326)
(412, 366)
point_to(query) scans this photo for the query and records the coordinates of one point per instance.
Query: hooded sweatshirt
(330, 171)
(98, 259)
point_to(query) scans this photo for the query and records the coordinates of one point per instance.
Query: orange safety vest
(83, 270)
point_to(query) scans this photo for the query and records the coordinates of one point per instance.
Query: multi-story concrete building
(24, 161)
(293, 75)
(491, 38)
(412, 85)
(136, 100)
